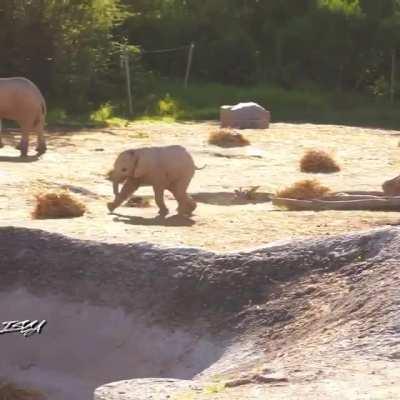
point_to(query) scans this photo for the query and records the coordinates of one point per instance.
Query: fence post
(128, 81)
(189, 64)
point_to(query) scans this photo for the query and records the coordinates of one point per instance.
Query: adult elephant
(21, 101)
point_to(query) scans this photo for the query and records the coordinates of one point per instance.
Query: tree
(65, 46)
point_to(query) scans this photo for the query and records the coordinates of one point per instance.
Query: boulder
(392, 187)
(245, 116)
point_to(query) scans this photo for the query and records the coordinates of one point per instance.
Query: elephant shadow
(18, 159)
(172, 221)
(231, 198)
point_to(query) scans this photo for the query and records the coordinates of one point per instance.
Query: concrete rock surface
(322, 313)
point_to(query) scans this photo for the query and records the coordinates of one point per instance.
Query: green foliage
(104, 113)
(72, 50)
(306, 104)
(349, 7)
(65, 46)
(202, 102)
(337, 44)
(167, 107)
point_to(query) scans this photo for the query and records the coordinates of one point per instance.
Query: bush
(225, 138)
(318, 161)
(57, 205)
(304, 190)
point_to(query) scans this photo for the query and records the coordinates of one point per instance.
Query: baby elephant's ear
(137, 164)
(134, 157)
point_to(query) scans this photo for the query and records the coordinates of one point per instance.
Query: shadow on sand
(174, 220)
(230, 198)
(18, 159)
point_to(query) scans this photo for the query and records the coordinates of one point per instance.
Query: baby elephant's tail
(199, 169)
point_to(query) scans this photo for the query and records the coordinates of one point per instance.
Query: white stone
(245, 116)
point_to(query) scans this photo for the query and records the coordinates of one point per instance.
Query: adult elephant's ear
(137, 163)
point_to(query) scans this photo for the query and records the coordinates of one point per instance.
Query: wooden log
(351, 197)
(359, 193)
(373, 204)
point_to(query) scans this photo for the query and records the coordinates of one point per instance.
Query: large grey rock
(245, 116)
(118, 311)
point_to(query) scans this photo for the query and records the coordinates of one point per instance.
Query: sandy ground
(79, 161)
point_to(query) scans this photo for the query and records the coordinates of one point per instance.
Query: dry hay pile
(10, 391)
(307, 189)
(225, 138)
(318, 161)
(138, 201)
(57, 205)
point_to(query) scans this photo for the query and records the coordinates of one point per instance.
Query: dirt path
(79, 160)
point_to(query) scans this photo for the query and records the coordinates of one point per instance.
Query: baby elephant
(165, 168)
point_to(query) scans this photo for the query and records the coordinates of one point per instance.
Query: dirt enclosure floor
(79, 160)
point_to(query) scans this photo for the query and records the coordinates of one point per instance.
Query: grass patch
(169, 101)
(318, 161)
(105, 115)
(308, 189)
(202, 101)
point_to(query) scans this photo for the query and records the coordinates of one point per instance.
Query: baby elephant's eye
(124, 169)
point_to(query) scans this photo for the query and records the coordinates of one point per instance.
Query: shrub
(318, 161)
(225, 138)
(304, 190)
(57, 205)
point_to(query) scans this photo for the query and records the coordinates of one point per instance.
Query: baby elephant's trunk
(116, 188)
(110, 177)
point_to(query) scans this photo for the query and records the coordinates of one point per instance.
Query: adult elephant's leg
(26, 129)
(41, 147)
(24, 144)
(41, 140)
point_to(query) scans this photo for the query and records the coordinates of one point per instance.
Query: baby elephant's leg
(130, 185)
(186, 205)
(1, 135)
(159, 198)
